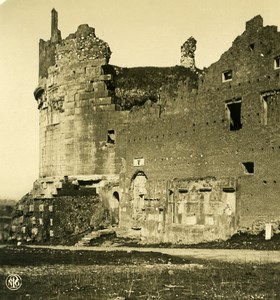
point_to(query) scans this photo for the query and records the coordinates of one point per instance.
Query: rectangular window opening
(229, 190)
(85, 182)
(277, 62)
(111, 137)
(233, 115)
(227, 76)
(248, 167)
(183, 190)
(252, 46)
(205, 189)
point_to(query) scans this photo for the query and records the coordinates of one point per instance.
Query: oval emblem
(13, 282)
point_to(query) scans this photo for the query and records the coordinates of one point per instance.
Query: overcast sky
(139, 33)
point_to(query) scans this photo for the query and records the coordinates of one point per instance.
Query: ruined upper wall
(80, 46)
(134, 86)
(47, 48)
(188, 53)
(250, 58)
(130, 86)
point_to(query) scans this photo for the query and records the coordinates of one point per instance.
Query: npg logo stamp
(13, 282)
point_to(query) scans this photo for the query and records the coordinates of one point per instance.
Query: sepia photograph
(140, 149)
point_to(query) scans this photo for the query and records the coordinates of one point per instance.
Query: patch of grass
(138, 282)
(135, 275)
(25, 256)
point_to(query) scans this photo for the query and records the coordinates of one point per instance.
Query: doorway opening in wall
(115, 208)
(139, 190)
(233, 114)
(248, 167)
(229, 198)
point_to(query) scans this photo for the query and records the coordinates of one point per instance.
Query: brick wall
(197, 142)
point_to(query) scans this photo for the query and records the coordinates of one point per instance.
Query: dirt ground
(228, 255)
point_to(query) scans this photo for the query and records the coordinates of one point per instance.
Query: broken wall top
(81, 46)
(135, 86)
(250, 56)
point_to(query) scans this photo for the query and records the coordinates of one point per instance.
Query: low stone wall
(59, 219)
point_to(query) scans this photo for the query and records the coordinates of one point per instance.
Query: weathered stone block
(104, 108)
(105, 77)
(101, 101)
(87, 95)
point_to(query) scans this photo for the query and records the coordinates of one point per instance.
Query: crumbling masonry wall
(224, 130)
(179, 154)
(57, 220)
(74, 92)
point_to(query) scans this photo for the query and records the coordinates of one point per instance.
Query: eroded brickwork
(226, 129)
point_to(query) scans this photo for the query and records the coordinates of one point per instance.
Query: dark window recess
(248, 167)
(116, 196)
(205, 189)
(85, 182)
(228, 190)
(252, 46)
(183, 190)
(227, 76)
(233, 115)
(277, 62)
(111, 137)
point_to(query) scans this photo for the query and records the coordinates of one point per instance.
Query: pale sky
(139, 33)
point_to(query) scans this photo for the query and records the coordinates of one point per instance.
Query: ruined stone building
(164, 154)
(6, 212)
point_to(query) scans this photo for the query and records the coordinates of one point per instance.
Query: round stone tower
(75, 102)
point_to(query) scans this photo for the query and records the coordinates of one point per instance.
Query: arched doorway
(138, 188)
(116, 196)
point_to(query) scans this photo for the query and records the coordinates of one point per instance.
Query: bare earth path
(228, 255)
